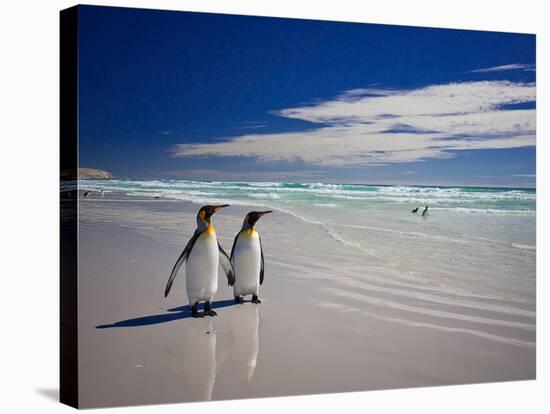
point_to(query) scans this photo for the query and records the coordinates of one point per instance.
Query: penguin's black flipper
(234, 244)
(226, 266)
(262, 261)
(183, 256)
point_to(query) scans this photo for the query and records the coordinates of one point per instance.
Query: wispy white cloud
(505, 68)
(251, 126)
(366, 127)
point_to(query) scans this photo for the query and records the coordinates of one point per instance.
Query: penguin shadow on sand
(174, 314)
(208, 348)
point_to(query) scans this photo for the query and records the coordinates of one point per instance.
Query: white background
(29, 140)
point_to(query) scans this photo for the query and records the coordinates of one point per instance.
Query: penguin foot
(208, 310)
(239, 299)
(255, 299)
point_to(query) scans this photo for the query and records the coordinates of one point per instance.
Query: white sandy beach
(333, 318)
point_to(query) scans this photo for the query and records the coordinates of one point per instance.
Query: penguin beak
(217, 208)
(261, 213)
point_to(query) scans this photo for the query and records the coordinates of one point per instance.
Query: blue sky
(219, 97)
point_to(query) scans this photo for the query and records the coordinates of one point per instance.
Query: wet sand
(333, 319)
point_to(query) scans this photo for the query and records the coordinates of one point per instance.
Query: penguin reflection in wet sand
(202, 255)
(247, 258)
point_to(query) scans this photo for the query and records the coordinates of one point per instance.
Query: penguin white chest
(201, 271)
(246, 263)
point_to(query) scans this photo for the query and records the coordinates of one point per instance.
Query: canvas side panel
(68, 207)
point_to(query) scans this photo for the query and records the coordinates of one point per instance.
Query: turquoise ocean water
(473, 200)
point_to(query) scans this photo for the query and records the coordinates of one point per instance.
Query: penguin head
(204, 214)
(252, 217)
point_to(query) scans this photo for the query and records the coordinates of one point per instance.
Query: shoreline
(337, 325)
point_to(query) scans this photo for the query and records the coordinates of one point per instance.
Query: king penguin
(425, 212)
(201, 256)
(247, 258)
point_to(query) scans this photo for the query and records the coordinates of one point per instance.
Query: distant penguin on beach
(415, 210)
(425, 212)
(202, 255)
(87, 193)
(247, 258)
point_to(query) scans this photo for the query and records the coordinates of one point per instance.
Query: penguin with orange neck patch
(247, 258)
(202, 256)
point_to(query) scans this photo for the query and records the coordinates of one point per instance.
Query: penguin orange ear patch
(202, 214)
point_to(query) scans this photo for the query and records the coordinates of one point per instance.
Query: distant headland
(86, 174)
(93, 174)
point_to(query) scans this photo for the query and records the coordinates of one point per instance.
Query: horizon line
(374, 184)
